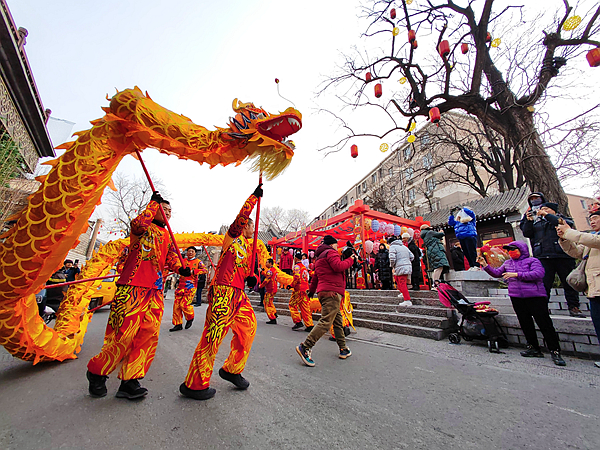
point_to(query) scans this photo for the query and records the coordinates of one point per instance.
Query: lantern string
(279, 93)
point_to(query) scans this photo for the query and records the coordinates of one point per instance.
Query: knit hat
(552, 206)
(329, 240)
(405, 235)
(424, 226)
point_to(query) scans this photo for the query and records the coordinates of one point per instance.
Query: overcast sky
(194, 57)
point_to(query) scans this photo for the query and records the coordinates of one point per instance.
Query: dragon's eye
(261, 116)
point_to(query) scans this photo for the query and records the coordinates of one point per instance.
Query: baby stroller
(478, 319)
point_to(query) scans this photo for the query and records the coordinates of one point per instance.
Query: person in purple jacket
(524, 276)
(329, 281)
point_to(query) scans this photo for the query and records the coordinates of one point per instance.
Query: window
(411, 195)
(374, 178)
(407, 152)
(435, 206)
(425, 139)
(381, 173)
(430, 182)
(393, 190)
(352, 200)
(364, 186)
(583, 204)
(417, 212)
(391, 171)
(427, 161)
(408, 173)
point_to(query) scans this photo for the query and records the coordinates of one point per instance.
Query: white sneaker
(406, 303)
(401, 295)
(472, 269)
(597, 364)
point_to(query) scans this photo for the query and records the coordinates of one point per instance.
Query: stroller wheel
(454, 338)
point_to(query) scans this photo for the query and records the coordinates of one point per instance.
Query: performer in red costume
(186, 292)
(299, 301)
(136, 311)
(270, 284)
(228, 307)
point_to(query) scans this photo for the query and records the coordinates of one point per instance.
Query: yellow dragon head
(266, 134)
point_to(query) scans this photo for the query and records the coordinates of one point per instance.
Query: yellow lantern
(408, 2)
(571, 23)
(396, 31)
(496, 42)
(411, 138)
(402, 80)
(413, 125)
(384, 147)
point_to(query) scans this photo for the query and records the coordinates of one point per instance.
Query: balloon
(367, 224)
(279, 250)
(397, 230)
(311, 254)
(391, 229)
(404, 230)
(368, 246)
(375, 225)
(291, 251)
(411, 232)
(375, 248)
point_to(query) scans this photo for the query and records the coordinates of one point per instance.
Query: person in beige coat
(578, 244)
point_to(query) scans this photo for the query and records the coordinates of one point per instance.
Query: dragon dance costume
(136, 311)
(228, 307)
(270, 285)
(299, 301)
(186, 292)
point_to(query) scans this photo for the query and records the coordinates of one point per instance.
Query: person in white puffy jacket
(401, 262)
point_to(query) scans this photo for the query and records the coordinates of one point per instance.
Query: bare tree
(499, 86)
(283, 220)
(128, 200)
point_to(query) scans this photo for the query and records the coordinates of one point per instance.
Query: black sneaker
(176, 328)
(272, 322)
(97, 386)
(576, 312)
(557, 359)
(532, 353)
(236, 378)
(131, 389)
(197, 394)
(305, 355)
(189, 323)
(331, 338)
(344, 353)
(309, 329)
(297, 326)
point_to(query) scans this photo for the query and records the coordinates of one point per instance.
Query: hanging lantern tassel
(434, 115)
(378, 90)
(354, 151)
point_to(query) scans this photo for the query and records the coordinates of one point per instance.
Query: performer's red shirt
(149, 252)
(270, 282)
(301, 277)
(197, 268)
(234, 264)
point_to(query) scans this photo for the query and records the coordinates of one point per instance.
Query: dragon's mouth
(280, 127)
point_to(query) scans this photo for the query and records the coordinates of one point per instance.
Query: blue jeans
(595, 313)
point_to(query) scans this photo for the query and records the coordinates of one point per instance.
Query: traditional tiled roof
(485, 208)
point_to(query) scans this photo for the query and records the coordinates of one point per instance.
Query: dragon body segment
(57, 213)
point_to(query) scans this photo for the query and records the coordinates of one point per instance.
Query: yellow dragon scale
(57, 213)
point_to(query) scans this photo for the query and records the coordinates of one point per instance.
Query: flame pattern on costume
(299, 301)
(270, 285)
(57, 213)
(185, 293)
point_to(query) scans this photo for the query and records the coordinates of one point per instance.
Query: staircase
(379, 310)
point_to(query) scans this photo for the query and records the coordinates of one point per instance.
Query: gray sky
(194, 57)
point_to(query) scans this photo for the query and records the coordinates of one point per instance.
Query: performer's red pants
(228, 307)
(183, 305)
(402, 286)
(131, 333)
(269, 306)
(300, 308)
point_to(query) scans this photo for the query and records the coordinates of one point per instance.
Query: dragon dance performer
(136, 311)
(299, 301)
(228, 307)
(270, 284)
(186, 291)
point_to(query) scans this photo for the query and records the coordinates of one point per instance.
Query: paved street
(394, 392)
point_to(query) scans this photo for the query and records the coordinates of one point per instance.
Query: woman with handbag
(585, 246)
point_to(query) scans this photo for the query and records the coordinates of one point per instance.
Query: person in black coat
(382, 267)
(458, 257)
(416, 278)
(539, 225)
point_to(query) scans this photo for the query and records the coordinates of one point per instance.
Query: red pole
(252, 257)
(69, 283)
(161, 208)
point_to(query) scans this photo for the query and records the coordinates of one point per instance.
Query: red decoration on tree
(434, 114)
(488, 37)
(444, 48)
(354, 151)
(464, 48)
(378, 90)
(412, 35)
(393, 13)
(368, 77)
(414, 44)
(593, 57)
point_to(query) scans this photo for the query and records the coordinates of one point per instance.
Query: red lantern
(488, 38)
(593, 57)
(464, 48)
(368, 77)
(378, 90)
(393, 13)
(412, 36)
(414, 44)
(444, 48)
(354, 151)
(434, 114)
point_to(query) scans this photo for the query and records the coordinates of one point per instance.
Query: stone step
(404, 318)
(423, 310)
(410, 330)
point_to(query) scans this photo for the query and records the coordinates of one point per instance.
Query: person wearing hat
(299, 301)
(539, 225)
(436, 258)
(524, 276)
(330, 284)
(578, 245)
(465, 229)
(185, 293)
